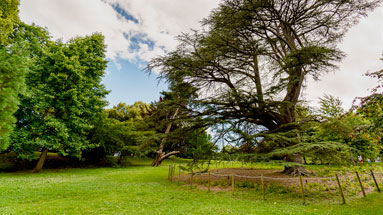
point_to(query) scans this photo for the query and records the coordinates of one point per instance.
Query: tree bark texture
(296, 170)
(41, 160)
(160, 157)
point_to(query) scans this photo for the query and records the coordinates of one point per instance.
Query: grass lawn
(145, 190)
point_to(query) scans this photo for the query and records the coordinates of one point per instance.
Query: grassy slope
(145, 190)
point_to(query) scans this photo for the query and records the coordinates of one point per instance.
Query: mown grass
(141, 189)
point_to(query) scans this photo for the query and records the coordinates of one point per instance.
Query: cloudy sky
(138, 30)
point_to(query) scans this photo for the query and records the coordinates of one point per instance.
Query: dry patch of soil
(269, 177)
(249, 175)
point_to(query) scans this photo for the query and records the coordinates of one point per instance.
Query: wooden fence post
(232, 184)
(179, 172)
(376, 183)
(360, 183)
(340, 189)
(175, 171)
(263, 188)
(169, 173)
(191, 180)
(302, 188)
(172, 171)
(208, 181)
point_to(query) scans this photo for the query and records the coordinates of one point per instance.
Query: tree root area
(296, 170)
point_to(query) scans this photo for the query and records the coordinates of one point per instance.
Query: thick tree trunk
(119, 159)
(297, 158)
(296, 170)
(293, 92)
(41, 161)
(44, 152)
(257, 79)
(157, 160)
(160, 157)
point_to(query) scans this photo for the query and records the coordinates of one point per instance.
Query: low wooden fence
(338, 178)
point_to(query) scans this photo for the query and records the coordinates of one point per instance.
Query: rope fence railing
(338, 181)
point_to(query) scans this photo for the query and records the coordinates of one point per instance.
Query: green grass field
(142, 189)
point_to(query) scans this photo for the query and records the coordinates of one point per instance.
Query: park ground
(142, 189)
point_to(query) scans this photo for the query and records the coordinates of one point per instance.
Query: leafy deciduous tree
(371, 108)
(64, 94)
(122, 129)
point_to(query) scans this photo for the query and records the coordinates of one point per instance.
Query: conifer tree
(250, 61)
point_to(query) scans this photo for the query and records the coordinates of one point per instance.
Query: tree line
(52, 100)
(241, 77)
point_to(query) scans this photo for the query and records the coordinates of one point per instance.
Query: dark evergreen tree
(250, 62)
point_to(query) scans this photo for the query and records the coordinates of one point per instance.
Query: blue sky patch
(124, 13)
(131, 84)
(137, 40)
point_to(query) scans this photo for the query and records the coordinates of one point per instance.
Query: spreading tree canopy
(64, 95)
(250, 62)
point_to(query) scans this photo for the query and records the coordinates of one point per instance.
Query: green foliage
(348, 131)
(124, 112)
(330, 151)
(249, 63)
(247, 184)
(332, 136)
(13, 67)
(370, 109)
(123, 129)
(198, 146)
(8, 18)
(177, 131)
(64, 94)
(331, 106)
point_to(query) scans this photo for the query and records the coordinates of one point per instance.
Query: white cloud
(363, 45)
(70, 18)
(160, 21)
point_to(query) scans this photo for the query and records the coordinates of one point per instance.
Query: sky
(137, 30)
